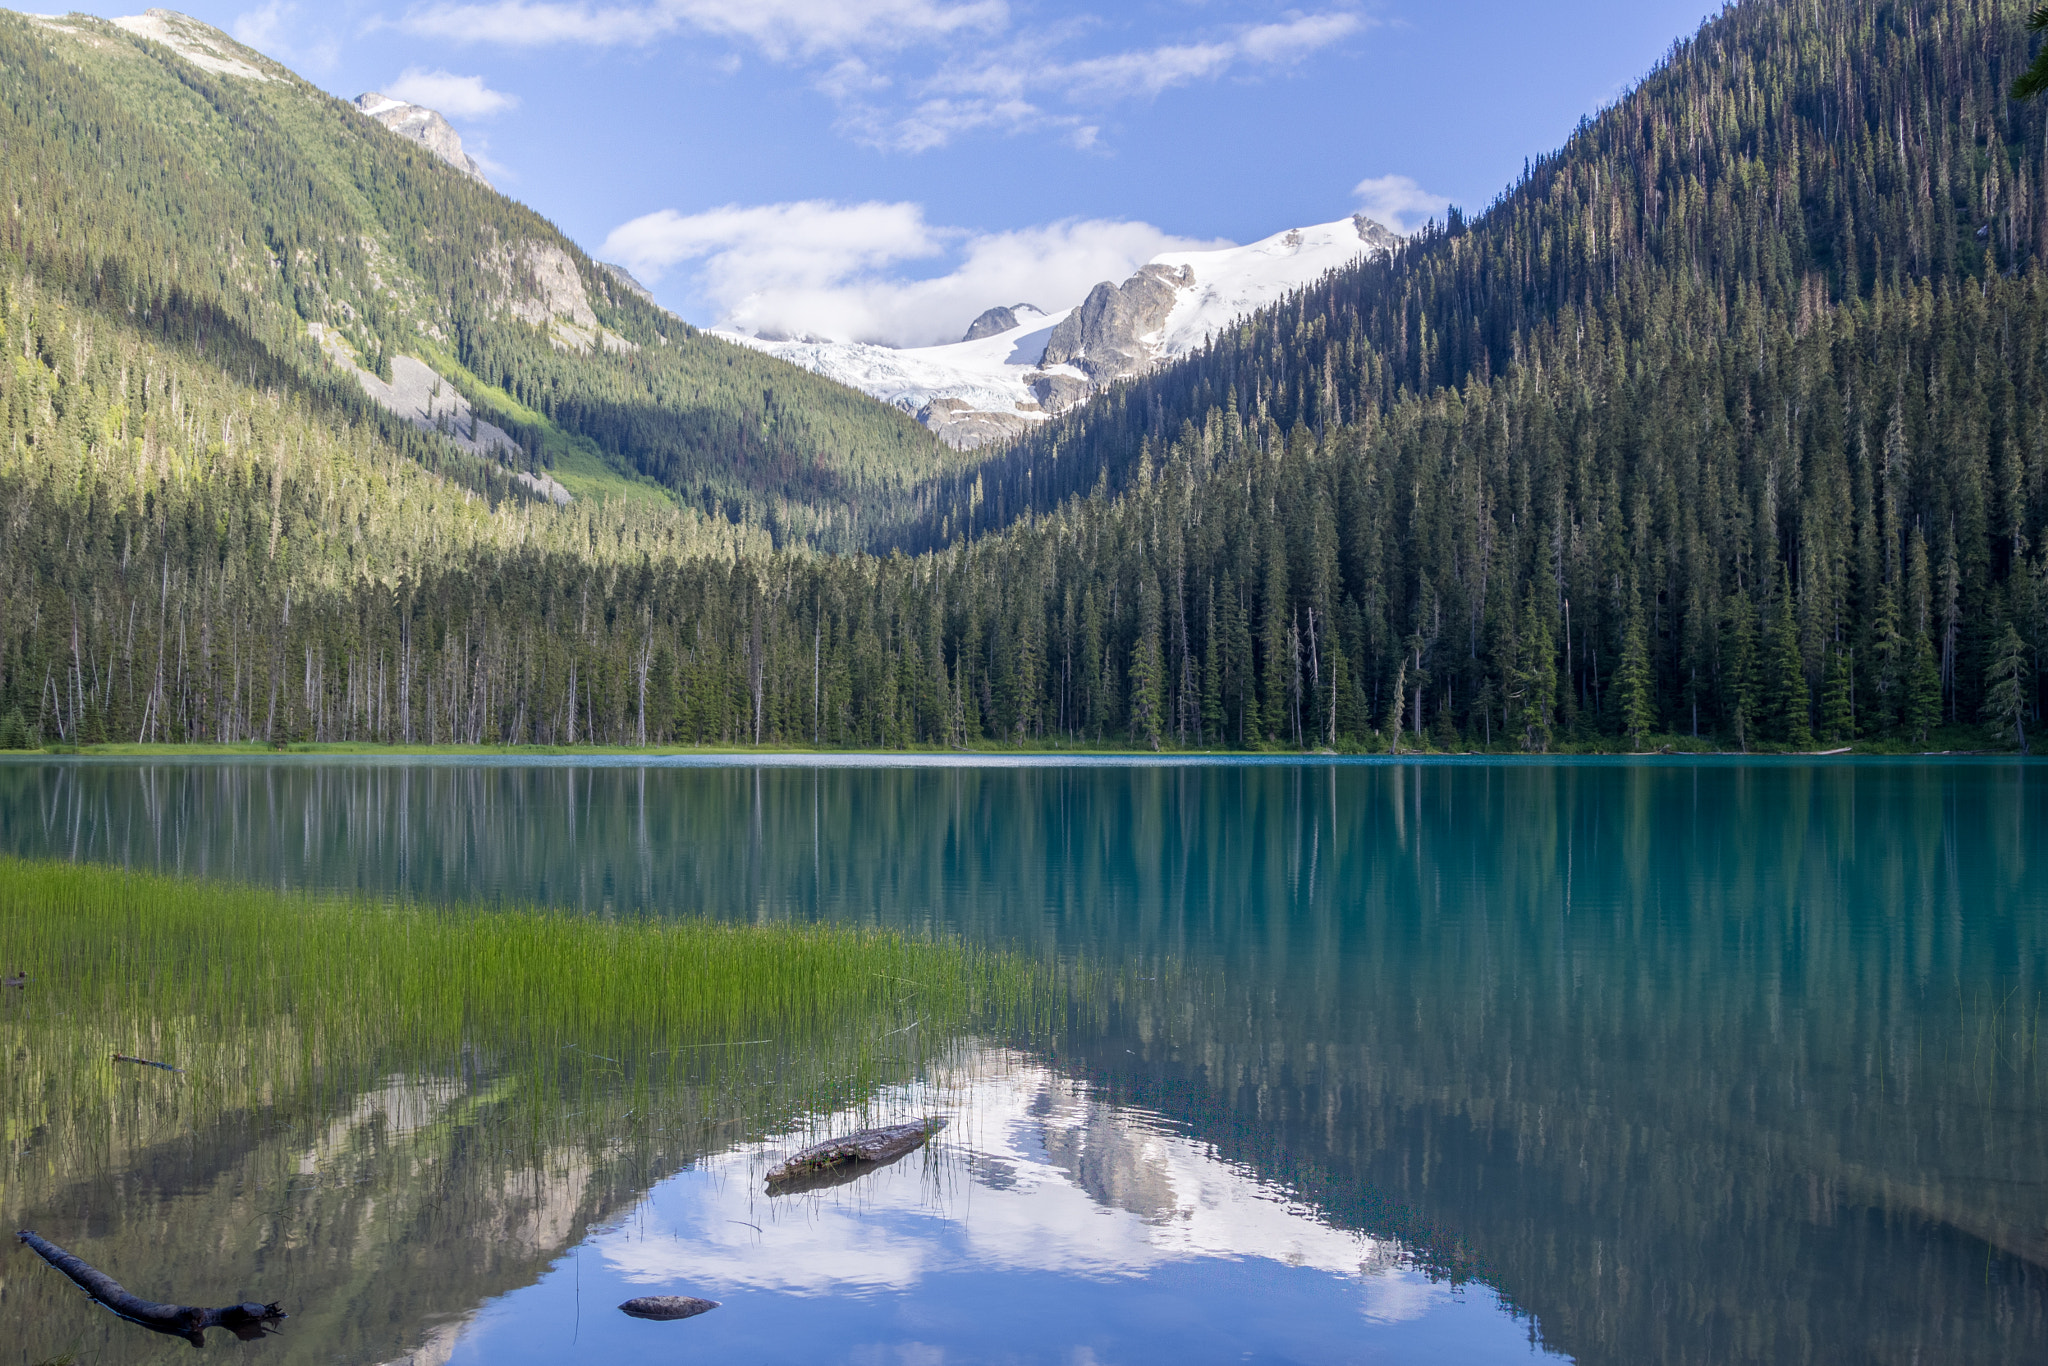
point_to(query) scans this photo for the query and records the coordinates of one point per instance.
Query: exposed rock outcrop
(544, 289)
(418, 394)
(1376, 236)
(623, 278)
(202, 45)
(417, 123)
(996, 321)
(1056, 392)
(964, 427)
(1108, 337)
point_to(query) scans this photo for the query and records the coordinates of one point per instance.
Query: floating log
(862, 1151)
(246, 1321)
(123, 1057)
(663, 1307)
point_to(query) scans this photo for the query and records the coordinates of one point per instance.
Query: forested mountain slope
(189, 175)
(1727, 420)
(1790, 157)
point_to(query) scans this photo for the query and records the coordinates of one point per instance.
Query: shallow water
(1623, 1062)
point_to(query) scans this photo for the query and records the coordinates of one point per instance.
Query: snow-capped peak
(1019, 365)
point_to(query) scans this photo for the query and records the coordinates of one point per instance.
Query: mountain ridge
(973, 394)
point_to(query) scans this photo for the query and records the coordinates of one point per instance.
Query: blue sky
(884, 170)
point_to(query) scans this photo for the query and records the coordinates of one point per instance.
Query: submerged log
(862, 1151)
(246, 1321)
(668, 1307)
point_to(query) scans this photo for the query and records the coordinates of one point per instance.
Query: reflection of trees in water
(1749, 1077)
(1697, 1063)
(382, 1223)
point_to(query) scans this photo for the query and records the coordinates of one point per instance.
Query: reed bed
(293, 1005)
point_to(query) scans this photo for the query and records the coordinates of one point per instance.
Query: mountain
(1019, 365)
(415, 123)
(335, 244)
(1726, 424)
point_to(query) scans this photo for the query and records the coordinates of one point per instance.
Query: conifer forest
(1728, 421)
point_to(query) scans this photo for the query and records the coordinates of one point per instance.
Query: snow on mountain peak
(417, 123)
(1019, 366)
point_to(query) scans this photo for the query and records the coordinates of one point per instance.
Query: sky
(883, 170)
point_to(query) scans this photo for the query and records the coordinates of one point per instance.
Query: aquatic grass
(297, 1003)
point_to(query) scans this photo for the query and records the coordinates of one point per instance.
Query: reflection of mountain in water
(1036, 1173)
(1695, 1062)
(380, 1228)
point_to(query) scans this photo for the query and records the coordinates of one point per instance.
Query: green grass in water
(292, 1003)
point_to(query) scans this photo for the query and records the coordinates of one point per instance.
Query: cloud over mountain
(874, 272)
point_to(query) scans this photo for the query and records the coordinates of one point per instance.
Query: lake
(1608, 1061)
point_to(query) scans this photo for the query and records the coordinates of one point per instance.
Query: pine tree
(2005, 688)
(1633, 684)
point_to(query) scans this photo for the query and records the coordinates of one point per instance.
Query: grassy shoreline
(1952, 741)
(266, 999)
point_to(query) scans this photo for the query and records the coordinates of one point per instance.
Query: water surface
(1622, 1062)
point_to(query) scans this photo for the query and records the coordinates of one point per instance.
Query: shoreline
(927, 756)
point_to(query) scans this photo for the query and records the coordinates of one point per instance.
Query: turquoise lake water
(1624, 1062)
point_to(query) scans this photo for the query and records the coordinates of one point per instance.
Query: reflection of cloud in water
(1035, 1173)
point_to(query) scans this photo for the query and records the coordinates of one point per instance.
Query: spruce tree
(1791, 700)
(1837, 705)
(1148, 671)
(2005, 688)
(1923, 691)
(1889, 665)
(1535, 695)
(1634, 687)
(1741, 686)
(1212, 678)
(1397, 710)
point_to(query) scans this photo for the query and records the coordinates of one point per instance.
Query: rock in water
(869, 1145)
(667, 1307)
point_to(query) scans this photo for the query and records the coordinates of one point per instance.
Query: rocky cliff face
(417, 123)
(996, 321)
(1110, 336)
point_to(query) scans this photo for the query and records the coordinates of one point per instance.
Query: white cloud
(1005, 91)
(840, 271)
(263, 28)
(1398, 202)
(1161, 68)
(274, 31)
(908, 75)
(458, 97)
(779, 28)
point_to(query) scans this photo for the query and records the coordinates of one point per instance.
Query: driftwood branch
(851, 1156)
(245, 1321)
